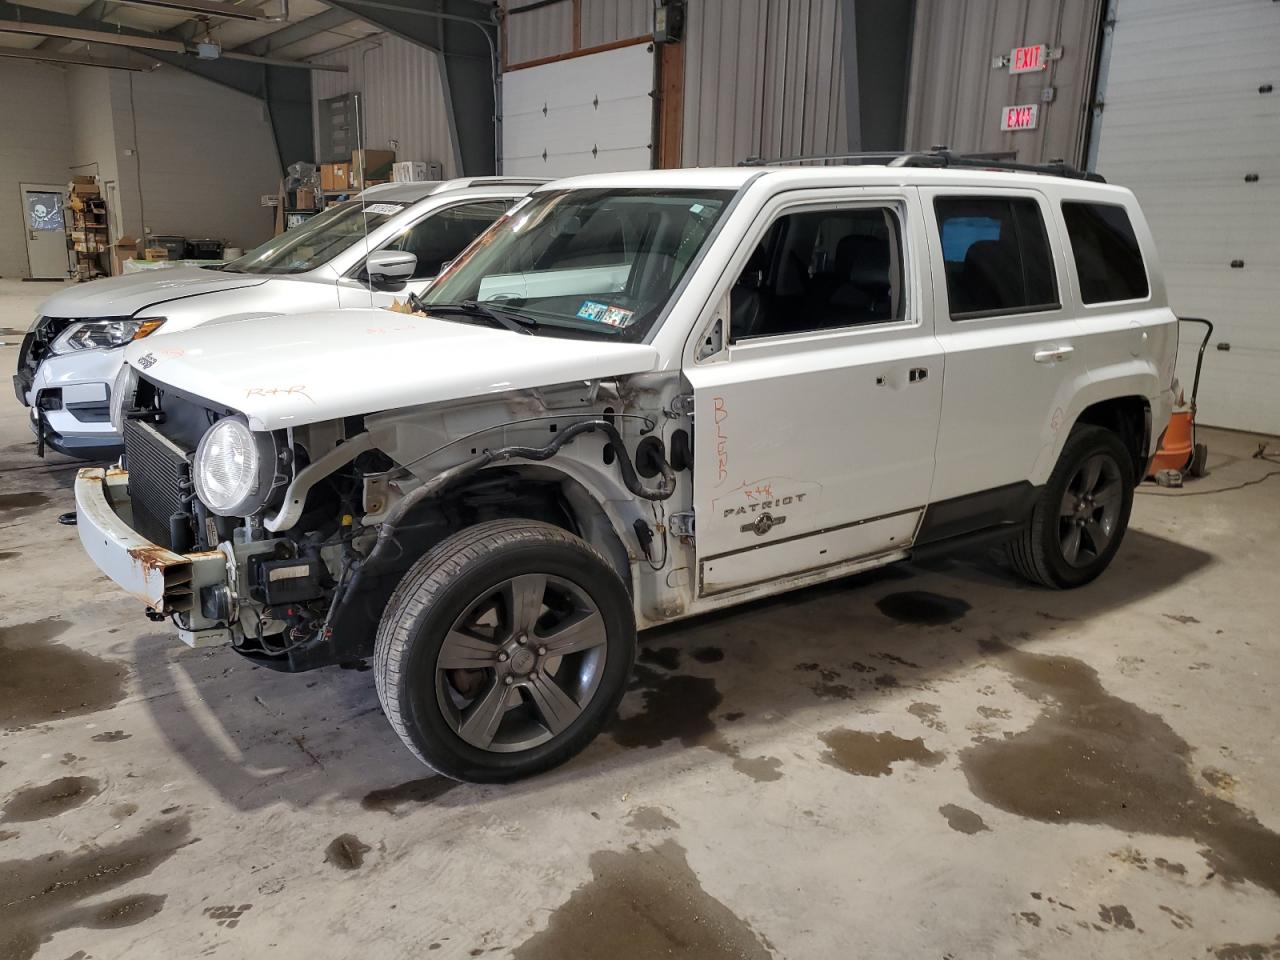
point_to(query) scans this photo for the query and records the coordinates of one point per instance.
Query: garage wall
(1189, 125)
(763, 78)
(35, 103)
(956, 95)
(550, 31)
(402, 96)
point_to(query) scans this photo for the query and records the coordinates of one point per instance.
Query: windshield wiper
(506, 319)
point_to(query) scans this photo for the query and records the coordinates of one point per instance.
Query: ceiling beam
(205, 8)
(53, 56)
(296, 32)
(93, 36)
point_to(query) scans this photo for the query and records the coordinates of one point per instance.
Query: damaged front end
(287, 544)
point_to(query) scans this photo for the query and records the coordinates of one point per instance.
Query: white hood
(291, 370)
(124, 296)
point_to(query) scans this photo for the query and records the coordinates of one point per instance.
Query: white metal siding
(34, 149)
(402, 97)
(762, 78)
(544, 32)
(1183, 124)
(605, 21)
(956, 96)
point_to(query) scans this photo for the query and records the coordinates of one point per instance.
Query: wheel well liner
(1129, 418)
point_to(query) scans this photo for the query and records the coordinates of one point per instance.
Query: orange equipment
(1179, 453)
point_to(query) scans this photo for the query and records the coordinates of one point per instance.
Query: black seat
(991, 278)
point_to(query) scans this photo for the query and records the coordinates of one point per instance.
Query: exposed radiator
(159, 485)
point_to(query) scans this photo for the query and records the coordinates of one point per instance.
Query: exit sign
(1027, 59)
(1022, 117)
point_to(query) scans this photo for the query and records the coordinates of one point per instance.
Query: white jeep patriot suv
(640, 397)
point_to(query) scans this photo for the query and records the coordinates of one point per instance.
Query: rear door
(437, 239)
(816, 425)
(1011, 348)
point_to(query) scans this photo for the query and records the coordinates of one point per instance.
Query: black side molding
(1000, 508)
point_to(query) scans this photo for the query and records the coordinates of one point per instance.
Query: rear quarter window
(1105, 248)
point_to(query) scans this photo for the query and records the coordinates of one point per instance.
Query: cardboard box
(410, 171)
(85, 190)
(126, 248)
(304, 199)
(370, 165)
(83, 179)
(335, 176)
(157, 253)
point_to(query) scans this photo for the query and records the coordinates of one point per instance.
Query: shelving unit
(89, 232)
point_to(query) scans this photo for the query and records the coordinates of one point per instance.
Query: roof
(785, 176)
(421, 189)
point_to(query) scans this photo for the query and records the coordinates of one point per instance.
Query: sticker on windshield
(590, 310)
(384, 209)
(617, 316)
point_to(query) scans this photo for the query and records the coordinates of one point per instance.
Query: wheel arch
(1129, 418)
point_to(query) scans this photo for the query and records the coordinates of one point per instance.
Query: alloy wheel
(1090, 510)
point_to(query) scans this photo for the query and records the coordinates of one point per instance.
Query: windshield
(601, 262)
(317, 241)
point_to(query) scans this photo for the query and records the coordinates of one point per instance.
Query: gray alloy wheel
(521, 663)
(1090, 510)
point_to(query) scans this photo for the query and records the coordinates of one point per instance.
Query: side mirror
(390, 266)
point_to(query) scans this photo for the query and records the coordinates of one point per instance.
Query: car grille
(159, 485)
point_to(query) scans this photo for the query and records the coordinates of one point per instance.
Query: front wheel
(504, 651)
(1081, 515)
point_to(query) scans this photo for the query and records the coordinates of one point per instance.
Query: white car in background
(74, 350)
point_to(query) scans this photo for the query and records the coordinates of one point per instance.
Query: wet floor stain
(1183, 618)
(708, 654)
(1091, 757)
(346, 852)
(995, 713)
(650, 818)
(228, 915)
(43, 896)
(962, 820)
(11, 503)
(1218, 779)
(929, 714)
(922, 607)
(668, 658)
(1135, 858)
(8, 835)
(680, 707)
(1116, 916)
(123, 811)
(391, 799)
(644, 905)
(873, 754)
(9, 554)
(1179, 919)
(111, 736)
(43, 681)
(49, 799)
(1247, 951)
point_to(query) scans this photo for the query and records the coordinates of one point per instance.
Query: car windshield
(316, 242)
(585, 262)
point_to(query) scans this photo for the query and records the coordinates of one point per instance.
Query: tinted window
(1106, 252)
(439, 238)
(820, 270)
(997, 256)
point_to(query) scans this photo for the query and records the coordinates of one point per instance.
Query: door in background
(44, 222)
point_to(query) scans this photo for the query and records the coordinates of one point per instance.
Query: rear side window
(997, 256)
(1106, 252)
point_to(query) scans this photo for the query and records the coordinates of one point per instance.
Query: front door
(815, 427)
(44, 222)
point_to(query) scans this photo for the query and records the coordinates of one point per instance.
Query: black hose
(389, 527)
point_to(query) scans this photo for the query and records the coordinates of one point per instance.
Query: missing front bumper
(169, 583)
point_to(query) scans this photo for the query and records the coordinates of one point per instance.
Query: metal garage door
(1191, 122)
(587, 114)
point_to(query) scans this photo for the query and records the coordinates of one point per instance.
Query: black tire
(1038, 552)
(1199, 461)
(444, 585)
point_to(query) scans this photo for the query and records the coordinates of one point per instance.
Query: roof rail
(935, 157)
(495, 182)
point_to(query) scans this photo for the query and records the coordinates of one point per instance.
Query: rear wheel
(504, 651)
(1079, 520)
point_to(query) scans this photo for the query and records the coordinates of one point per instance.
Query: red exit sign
(1021, 117)
(1027, 59)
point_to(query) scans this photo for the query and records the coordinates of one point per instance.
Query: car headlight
(235, 468)
(104, 334)
(123, 396)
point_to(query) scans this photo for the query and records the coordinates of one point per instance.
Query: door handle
(1053, 354)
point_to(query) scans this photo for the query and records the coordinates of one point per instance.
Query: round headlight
(234, 468)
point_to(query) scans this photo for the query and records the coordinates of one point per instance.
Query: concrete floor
(929, 762)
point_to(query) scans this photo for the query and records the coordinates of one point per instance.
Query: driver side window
(438, 238)
(821, 270)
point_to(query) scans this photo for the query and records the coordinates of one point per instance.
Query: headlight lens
(234, 468)
(123, 393)
(104, 334)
